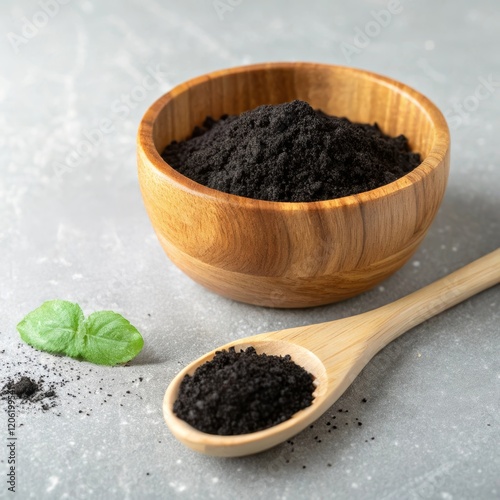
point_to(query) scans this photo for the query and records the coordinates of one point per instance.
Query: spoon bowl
(334, 353)
(248, 444)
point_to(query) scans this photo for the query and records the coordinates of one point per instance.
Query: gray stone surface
(433, 395)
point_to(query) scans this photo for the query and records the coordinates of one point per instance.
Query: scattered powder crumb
(29, 391)
(43, 385)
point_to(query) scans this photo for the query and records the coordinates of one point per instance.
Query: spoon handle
(407, 312)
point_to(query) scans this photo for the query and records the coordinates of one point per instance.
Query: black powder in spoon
(242, 392)
(290, 152)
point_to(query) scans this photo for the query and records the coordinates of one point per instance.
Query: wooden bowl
(283, 254)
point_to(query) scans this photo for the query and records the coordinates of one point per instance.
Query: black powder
(24, 387)
(29, 391)
(34, 386)
(290, 152)
(242, 392)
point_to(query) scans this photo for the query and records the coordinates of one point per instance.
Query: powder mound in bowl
(242, 392)
(290, 152)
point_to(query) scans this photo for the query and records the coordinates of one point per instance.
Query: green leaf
(107, 338)
(59, 327)
(53, 327)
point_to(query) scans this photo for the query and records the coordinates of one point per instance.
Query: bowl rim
(438, 151)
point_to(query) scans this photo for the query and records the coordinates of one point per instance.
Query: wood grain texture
(335, 352)
(292, 254)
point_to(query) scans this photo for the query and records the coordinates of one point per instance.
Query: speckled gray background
(433, 395)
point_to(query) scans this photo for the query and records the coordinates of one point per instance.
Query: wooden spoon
(334, 352)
